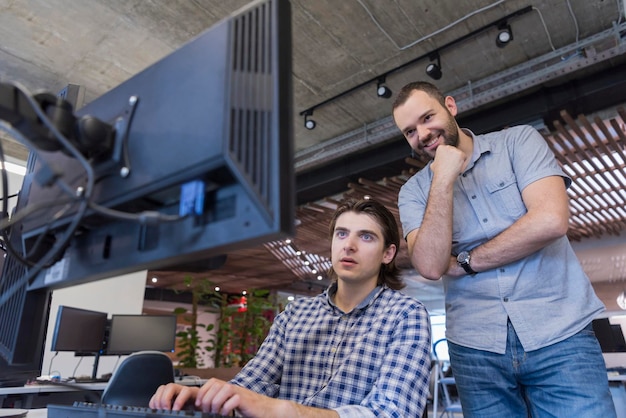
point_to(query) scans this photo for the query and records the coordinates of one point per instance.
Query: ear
(389, 253)
(451, 105)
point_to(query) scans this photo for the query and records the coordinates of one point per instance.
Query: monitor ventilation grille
(12, 280)
(252, 92)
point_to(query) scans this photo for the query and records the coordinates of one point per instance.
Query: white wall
(15, 184)
(119, 295)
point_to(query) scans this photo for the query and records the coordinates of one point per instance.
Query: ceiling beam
(594, 92)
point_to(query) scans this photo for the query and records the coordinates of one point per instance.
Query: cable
(571, 12)
(5, 200)
(22, 139)
(53, 357)
(85, 197)
(59, 137)
(24, 260)
(437, 32)
(29, 210)
(4, 215)
(76, 368)
(11, 196)
(545, 28)
(19, 137)
(146, 217)
(5, 186)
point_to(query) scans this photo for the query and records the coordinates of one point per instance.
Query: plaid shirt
(373, 361)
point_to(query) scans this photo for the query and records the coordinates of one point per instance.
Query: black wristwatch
(463, 259)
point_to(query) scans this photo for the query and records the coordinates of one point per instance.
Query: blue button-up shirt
(547, 295)
(371, 362)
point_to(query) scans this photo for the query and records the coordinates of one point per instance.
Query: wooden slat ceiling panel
(592, 154)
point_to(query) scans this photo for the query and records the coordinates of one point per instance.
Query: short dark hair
(389, 274)
(424, 86)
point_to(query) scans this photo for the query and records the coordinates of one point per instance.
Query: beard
(449, 134)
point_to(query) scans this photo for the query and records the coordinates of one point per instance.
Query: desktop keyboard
(92, 410)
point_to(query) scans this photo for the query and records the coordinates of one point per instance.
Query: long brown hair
(389, 274)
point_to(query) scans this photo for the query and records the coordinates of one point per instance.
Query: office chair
(137, 378)
(441, 385)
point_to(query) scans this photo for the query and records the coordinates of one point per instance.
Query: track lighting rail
(497, 23)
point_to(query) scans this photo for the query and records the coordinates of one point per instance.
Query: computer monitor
(186, 161)
(131, 333)
(23, 315)
(610, 336)
(79, 330)
(207, 131)
(618, 338)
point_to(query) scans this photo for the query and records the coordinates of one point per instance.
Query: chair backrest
(442, 384)
(137, 378)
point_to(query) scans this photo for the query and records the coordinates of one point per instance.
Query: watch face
(463, 257)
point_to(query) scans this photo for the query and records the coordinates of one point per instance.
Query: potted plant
(242, 325)
(191, 346)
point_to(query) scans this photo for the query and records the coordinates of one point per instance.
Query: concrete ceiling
(337, 46)
(565, 55)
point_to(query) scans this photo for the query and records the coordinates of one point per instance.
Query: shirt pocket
(505, 197)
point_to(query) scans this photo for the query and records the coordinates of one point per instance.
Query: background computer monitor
(618, 337)
(131, 333)
(610, 336)
(79, 330)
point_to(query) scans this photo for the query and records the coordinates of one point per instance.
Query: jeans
(564, 380)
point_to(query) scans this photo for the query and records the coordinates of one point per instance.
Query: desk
(37, 413)
(38, 395)
(27, 396)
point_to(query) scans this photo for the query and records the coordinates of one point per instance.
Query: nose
(349, 244)
(422, 133)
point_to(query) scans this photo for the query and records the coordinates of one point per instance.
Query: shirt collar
(364, 304)
(479, 148)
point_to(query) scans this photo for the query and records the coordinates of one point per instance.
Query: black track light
(433, 70)
(309, 123)
(505, 35)
(382, 90)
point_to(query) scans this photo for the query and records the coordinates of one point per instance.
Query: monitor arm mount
(102, 143)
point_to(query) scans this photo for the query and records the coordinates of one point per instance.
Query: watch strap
(468, 269)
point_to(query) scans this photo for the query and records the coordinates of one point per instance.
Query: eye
(367, 237)
(341, 234)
